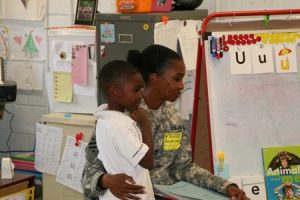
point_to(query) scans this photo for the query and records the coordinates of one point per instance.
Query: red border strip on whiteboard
(201, 59)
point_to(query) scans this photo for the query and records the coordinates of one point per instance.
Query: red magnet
(78, 137)
(258, 38)
(164, 19)
(226, 48)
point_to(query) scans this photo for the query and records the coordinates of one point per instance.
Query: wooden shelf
(18, 183)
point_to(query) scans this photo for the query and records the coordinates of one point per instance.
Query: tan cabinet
(71, 124)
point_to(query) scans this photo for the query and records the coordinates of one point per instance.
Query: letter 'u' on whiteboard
(240, 60)
(262, 59)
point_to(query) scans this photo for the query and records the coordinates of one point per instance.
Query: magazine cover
(282, 172)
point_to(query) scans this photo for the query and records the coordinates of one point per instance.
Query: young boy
(123, 148)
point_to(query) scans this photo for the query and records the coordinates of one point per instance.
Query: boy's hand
(288, 184)
(140, 116)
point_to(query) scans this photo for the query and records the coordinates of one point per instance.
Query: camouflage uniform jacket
(169, 166)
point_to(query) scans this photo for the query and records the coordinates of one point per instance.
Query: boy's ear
(113, 90)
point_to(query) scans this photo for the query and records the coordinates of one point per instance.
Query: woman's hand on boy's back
(122, 186)
(141, 117)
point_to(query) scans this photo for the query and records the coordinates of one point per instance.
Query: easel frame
(201, 72)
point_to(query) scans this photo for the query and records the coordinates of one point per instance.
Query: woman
(163, 71)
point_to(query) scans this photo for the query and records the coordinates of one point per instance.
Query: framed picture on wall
(86, 11)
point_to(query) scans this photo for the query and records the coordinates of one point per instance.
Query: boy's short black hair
(113, 72)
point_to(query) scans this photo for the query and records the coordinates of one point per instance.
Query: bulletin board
(83, 98)
(250, 111)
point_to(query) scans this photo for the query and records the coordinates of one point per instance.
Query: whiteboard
(80, 103)
(248, 112)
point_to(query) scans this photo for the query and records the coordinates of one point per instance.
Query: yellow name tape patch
(172, 141)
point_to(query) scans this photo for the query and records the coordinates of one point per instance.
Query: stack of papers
(184, 191)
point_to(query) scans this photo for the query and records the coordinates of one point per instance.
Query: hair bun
(134, 57)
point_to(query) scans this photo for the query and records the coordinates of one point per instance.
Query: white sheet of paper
(262, 59)
(27, 74)
(107, 6)
(188, 40)
(61, 55)
(186, 100)
(240, 60)
(3, 41)
(285, 56)
(48, 148)
(184, 190)
(167, 34)
(24, 10)
(72, 164)
(27, 43)
(16, 196)
(90, 89)
(80, 104)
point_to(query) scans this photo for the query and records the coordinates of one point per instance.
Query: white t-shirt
(121, 148)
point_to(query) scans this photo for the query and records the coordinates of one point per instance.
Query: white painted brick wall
(29, 107)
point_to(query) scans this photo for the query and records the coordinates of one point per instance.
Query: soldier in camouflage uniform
(172, 160)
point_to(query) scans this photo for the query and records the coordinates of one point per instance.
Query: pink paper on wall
(79, 64)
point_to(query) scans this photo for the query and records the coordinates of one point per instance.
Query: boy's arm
(95, 179)
(278, 188)
(295, 185)
(141, 117)
(147, 160)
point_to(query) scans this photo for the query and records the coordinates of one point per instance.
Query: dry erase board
(251, 111)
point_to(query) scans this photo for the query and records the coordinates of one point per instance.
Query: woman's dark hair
(154, 59)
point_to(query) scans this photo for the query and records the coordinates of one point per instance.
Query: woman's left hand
(235, 193)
